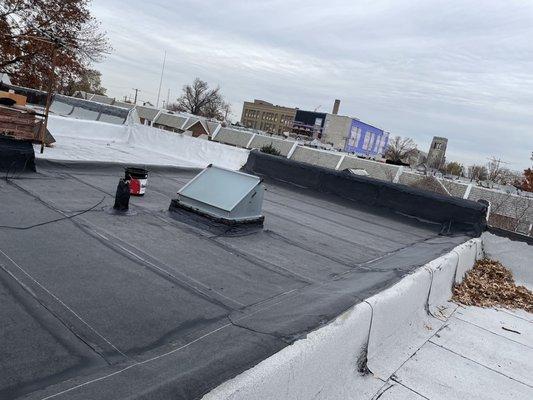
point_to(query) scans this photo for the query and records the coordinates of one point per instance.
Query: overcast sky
(416, 68)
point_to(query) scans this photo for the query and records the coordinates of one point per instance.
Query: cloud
(459, 69)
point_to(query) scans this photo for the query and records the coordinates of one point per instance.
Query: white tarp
(79, 140)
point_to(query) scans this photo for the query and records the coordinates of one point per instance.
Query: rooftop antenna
(161, 79)
(136, 91)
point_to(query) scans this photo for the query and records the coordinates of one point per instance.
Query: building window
(355, 136)
(368, 140)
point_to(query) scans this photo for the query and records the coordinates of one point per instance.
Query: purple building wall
(366, 140)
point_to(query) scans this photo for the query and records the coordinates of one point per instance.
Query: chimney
(336, 107)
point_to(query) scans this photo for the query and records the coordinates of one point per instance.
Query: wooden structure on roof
(22, 123)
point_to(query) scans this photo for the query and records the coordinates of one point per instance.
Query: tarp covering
(79, 140)
(16, 156)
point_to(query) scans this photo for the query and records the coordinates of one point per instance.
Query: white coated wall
(517, 256)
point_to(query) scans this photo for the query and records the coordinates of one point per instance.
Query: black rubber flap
(455, 215)
(16, 156)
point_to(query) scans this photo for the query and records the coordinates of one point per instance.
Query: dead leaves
(490, 284)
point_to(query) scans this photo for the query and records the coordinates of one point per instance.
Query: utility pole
(161, 79)
(136, 91)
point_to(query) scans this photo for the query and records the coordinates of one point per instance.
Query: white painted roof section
(82, 140)
(474, 357)
(517, 256)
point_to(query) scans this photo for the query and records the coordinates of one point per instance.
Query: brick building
(267, 117)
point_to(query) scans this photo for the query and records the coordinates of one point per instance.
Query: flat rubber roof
(157, 305)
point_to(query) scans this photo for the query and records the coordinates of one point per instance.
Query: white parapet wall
(517, 256)
(388, 328)
(322, 366)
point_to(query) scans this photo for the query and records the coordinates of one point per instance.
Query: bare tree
(400, 149)
(507, 177)
(477, 173)
(493, 169)
(199, 99)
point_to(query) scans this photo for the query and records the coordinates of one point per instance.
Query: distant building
(366, 140)
(343, 133)
(337, 130)
(352, 135)
(267, 117)
(308, 123)
(437, 152)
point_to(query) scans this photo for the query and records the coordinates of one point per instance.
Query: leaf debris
(490, 284)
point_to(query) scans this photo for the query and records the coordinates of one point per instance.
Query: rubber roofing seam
(494, 333)
(340, 203)
(366, 264)
(199, 233)
(366, 233)
(235, 324)
(393, 375)
(311, 250)
(384, 389)
(346, 225)
(164, 354)
(85, 228)
(478, 363)
(306, 226)
(259, 262)
(349, 242)
(514, 315)
(272, 299)
(392, 378)
(137, 363)
(120, 244)
(58, 300)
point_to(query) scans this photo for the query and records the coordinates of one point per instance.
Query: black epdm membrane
(156, 305)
